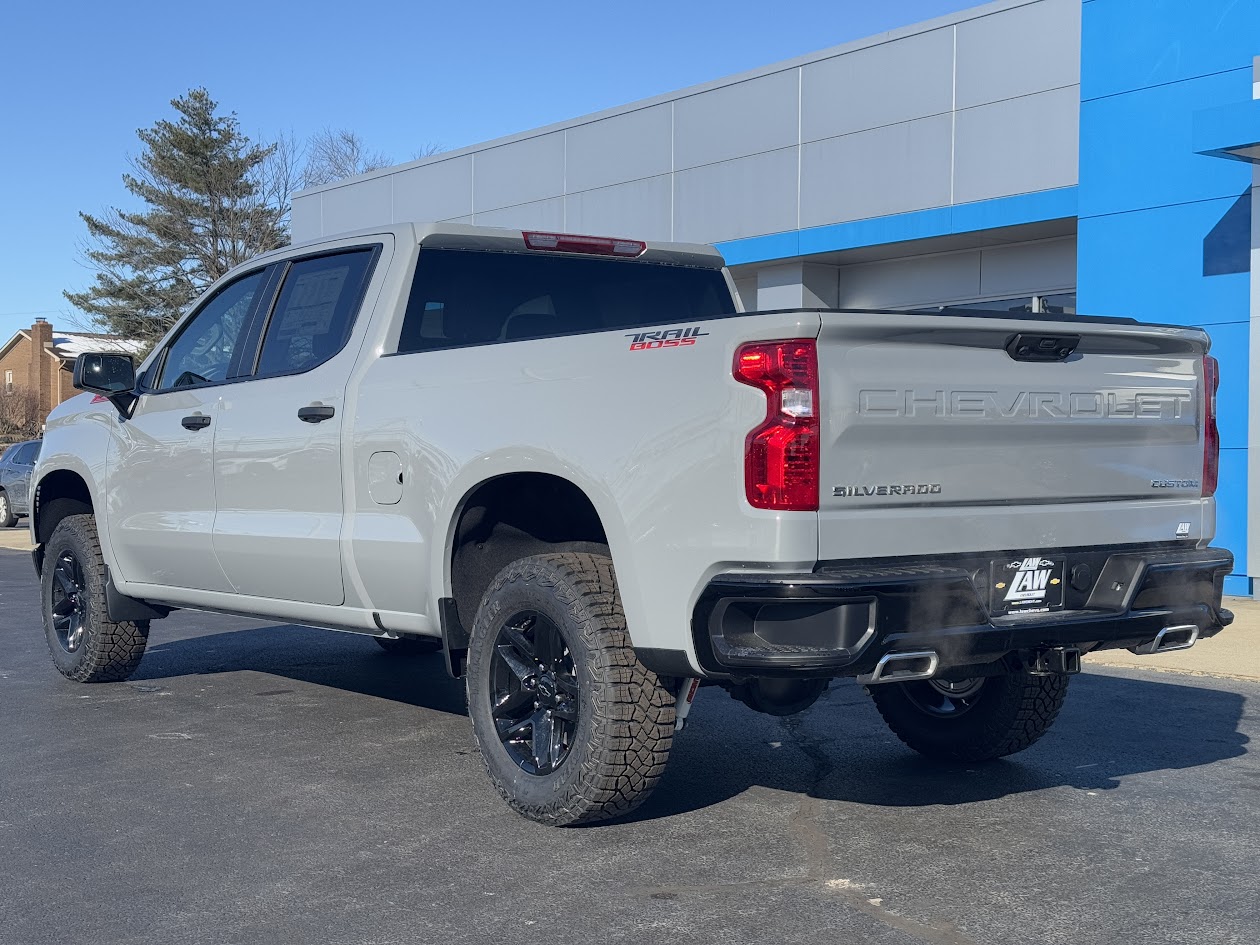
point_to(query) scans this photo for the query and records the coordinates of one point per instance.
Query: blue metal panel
(963, 218)
(1231, 507)
(1137, 149)
(1149, 264)
(1229, 131)
(1230, 348)
(1132, 44)
(1165, 232)
(1238, 585)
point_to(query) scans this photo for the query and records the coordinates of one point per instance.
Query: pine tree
(212, 199)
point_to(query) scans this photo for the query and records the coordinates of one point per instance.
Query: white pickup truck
(576, 467)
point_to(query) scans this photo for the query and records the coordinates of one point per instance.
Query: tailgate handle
(1035, 346)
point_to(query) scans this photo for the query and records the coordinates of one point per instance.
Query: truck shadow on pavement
(345, 661)
(1111, 727)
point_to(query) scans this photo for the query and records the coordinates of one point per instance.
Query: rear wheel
(971, 719)
(7, 517)
(409, 646)
(85, 644)
(572, 727)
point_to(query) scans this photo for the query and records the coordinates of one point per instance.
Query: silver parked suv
(16, 466)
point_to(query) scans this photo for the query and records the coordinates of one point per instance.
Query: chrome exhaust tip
(1181, 637)
(902, 667)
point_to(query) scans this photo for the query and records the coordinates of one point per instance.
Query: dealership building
(1046, 155)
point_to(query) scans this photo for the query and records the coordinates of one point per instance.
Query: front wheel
(572, 727)
(7, 517)
(971, 719)
(85, 644)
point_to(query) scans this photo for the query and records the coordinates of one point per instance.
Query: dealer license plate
(1032, 584)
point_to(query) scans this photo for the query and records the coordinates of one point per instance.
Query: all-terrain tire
(86, 646)
(409, 646)
(8, 518)
(1008, 714)
(624, 725)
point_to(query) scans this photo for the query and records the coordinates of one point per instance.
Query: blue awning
(1232, 131)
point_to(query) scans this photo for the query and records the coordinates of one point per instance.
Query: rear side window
(316, 309)
(462, 297)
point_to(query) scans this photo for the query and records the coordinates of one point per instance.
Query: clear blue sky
(79, 78)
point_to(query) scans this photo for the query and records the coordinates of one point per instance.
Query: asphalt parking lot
(275, 784)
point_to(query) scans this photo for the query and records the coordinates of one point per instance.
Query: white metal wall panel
(736, 120)
(434, 191)
(1028, 267)
(623, 148)
(520, 172)
(871, 125)
(1016, 270)
(538, 215)
(1019, 52)
(358, 205)
(920, 280)
(881, 85)
(639, 209)
(1017, 146)
(306, 220)
(726, 201)
(894, 169)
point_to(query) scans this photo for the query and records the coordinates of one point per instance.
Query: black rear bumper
(842, 618)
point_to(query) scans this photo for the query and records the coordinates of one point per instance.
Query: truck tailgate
(932, 417)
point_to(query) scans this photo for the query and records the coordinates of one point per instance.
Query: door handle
(316, 413)
(197, 421)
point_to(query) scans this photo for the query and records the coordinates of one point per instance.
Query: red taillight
(591, 245)
(781, 455)
(1211, 436)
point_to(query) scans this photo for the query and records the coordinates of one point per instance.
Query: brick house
(41, 361)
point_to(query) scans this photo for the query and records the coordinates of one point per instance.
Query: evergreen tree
(212, 199)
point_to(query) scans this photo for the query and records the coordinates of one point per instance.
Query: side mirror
(111, 375)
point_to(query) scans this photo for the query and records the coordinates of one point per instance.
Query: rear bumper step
(916, 618)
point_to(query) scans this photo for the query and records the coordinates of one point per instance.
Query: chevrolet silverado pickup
(580, 471)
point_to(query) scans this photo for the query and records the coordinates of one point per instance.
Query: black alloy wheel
(534, 692)
(572, 728)
(84, 643)
(69, 601)
(944, 698)
(975, 719)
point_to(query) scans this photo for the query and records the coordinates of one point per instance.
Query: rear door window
(315, 311)
(462, 297)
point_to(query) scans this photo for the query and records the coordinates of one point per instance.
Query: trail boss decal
(667, 338)
(1027, 584)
